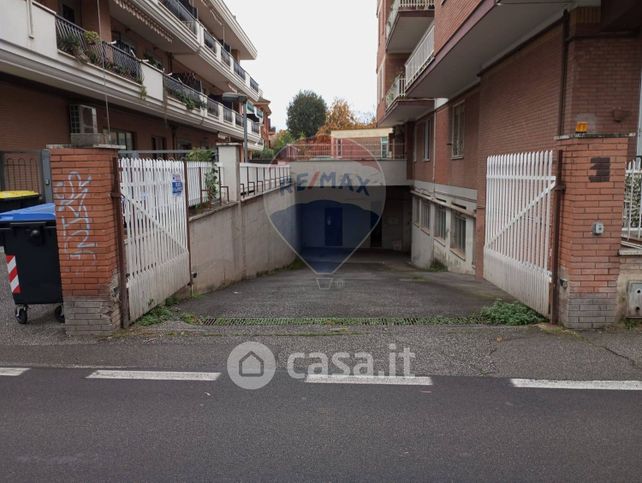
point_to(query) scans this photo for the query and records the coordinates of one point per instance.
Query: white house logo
(251, 365)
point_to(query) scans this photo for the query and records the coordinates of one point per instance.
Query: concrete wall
(238, 241)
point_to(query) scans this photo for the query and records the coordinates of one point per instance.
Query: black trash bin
(15, 200)
(31, 250)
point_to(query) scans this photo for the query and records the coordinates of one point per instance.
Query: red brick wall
(25, 124)
(590, 263)
(83, 181)
(603, 77)
(449, 16)
(460, 172)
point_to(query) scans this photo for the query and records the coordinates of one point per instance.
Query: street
(58, 425)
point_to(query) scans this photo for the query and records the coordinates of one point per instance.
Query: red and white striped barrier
(12, 268)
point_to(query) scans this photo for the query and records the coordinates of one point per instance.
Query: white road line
(155, 375)
(383, 380)
(583, 385)
(12, 371)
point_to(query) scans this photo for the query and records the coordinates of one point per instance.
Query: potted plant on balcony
(72, 44)
(91, 37)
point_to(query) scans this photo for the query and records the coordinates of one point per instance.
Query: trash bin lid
(12, 195)
(45, 212)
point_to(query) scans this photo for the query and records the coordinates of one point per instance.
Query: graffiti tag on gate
(74, 216)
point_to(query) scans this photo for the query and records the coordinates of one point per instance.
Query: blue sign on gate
(177, 185)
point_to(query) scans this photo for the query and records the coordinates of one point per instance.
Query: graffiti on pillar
(73, 216)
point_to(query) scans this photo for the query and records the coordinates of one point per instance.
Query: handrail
(421, 56)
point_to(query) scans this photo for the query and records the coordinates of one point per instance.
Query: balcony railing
(190, 97)
(210, 42)
(228, 115)
(397, 90)
(239, 120)
(254, 85)
(213, 108)
(239, 71)
(84, 45)
(179, 10)
(256, 129)
(406, 5)
(421, 56)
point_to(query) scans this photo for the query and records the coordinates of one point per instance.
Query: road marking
(583, 385)
(382, 380)
(12, 371)
(155, 375)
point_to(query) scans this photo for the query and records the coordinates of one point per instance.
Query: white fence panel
(518, 226)
(197, 172)
(155, 216)
(632, 221)
(257, 179)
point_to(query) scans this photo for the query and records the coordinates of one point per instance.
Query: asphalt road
(58, 425)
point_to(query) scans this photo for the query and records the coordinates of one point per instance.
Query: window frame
(440, 235)
(457, 130)
(428, 138)
(425, 217)
(459, 224)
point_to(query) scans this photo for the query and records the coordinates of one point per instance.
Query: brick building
(147, 74)
(462, 81)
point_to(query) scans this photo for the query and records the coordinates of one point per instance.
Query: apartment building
(146, 74)
(461, 81)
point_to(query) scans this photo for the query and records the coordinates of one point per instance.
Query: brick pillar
(593, 176)
(83, 180)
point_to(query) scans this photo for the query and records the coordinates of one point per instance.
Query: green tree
(282, 139)
(306, 114)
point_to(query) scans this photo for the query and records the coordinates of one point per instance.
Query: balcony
(62, 55)
(423, 54)
(86, 47)
(173, 27)
(397, 90)
(407, 22)
(493, 29)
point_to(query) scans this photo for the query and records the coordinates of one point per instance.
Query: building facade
(463, 81)
(145, 74)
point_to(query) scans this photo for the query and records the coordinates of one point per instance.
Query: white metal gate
(156, 245)
(518, 226)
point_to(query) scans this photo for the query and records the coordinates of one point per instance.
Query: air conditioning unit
(84, 126)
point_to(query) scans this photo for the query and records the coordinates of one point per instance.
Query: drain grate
(430, 320)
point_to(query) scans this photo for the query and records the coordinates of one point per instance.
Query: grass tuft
(506, 313)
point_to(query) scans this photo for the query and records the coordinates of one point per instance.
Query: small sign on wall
(177, 185)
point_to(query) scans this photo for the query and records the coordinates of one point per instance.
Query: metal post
(245, 132)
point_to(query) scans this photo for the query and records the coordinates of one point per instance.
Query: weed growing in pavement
(436, 266)
(506, 313)
(631, 324)
(156, 316)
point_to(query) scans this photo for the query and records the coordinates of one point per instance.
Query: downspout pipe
(559, 185)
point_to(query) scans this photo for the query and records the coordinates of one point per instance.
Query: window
(458, 239)
(428, 139)
(419, 139)
(457, 130)
(158, 143)
(384, 148)
(440, 222)
(123, 138)
(416, 208)
(425, 214)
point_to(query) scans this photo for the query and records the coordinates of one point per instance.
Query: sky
(327, 46)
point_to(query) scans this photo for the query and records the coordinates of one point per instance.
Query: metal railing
(397, 90)
(213, 108)
(343, 149)
(188, 96)
(84, 45)
(632, 218)
(179, 10)
(421, 56)
(228, 115)
(256, 129)
(210, 42)
(239, 71)
(254, 85)
(406, 5)
(257, 179)
(225, 56)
